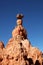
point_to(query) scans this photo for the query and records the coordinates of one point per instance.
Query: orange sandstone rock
(19, 50)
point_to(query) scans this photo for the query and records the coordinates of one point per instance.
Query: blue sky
(32, 21)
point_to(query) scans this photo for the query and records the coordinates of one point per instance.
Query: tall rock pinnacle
(19, 31)
(19, 50)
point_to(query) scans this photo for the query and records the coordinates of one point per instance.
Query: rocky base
(20, 52)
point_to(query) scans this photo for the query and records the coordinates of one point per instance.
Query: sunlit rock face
(19, 50)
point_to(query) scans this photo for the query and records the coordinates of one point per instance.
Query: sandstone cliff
(19, 50)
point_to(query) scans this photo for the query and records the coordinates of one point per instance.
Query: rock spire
(19, 50)
(19, 31)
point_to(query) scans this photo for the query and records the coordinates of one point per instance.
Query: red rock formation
(19, 50)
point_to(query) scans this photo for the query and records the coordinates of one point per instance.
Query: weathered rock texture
(19, 50)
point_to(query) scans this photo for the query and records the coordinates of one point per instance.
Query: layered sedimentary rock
(19, 50)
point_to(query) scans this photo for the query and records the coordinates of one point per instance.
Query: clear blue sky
(33, 19)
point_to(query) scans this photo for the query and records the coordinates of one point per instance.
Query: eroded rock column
(19, 31)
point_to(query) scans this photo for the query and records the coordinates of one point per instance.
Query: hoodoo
(19, 50)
